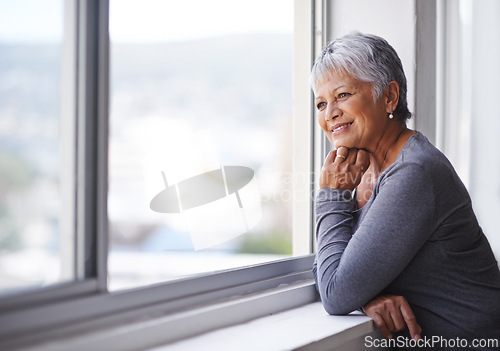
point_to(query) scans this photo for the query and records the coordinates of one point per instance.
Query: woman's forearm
(354, 267)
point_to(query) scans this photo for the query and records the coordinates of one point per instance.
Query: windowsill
(305, 328)
(285, 318)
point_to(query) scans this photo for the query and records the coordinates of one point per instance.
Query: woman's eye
(320, 106)
(343, 95)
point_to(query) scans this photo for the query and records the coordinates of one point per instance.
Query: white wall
(484, 173)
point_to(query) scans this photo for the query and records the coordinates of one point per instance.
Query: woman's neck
(389, 146)
(379, 162)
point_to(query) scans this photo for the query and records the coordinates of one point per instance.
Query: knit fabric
(416, 237)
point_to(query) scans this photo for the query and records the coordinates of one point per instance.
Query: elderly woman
(396, 232)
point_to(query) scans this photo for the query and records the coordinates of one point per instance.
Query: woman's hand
(344, 168)
(392, 313)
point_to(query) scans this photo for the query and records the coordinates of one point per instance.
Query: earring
(391, 116)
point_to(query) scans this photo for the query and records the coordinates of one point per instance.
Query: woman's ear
(392, 96)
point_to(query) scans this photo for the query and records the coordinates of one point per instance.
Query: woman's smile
(340, 127)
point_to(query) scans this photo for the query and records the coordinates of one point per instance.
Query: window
(101, 106)
(466, 125)
(36, 240)
(200, 168)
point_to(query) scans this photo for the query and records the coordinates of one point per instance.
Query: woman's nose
(332, 112)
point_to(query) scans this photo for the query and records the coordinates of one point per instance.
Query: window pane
(31, 239)
(469, 125)
(200, 137)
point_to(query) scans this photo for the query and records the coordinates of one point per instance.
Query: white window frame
(85, 305)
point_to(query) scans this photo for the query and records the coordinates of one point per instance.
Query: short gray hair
(368, 58)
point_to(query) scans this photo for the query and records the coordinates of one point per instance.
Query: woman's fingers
(381, 325)
(330, 157)
(391, 314)
(362, 160)
(341, 154)
(398, 321)
(411, 321)
(344, 168)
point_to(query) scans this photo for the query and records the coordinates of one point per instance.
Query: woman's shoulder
(419, 151)
(419, 158)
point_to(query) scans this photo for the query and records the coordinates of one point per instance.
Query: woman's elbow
(336, 299)
(335, 310)
(335, 305)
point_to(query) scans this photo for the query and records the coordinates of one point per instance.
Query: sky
(31, 21)
(158, 20)
(41, 21)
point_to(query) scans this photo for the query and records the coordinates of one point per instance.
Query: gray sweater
(416, 237)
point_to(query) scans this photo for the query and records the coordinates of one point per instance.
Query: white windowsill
(285, 318)
(306, 328)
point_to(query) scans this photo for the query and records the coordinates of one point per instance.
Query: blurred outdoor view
(31, 242)
(199, 91)
(197, 88)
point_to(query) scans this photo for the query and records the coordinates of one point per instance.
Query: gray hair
(368, 58)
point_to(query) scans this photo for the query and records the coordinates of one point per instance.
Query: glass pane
(474, 144)
(200, 137)
(31, 240)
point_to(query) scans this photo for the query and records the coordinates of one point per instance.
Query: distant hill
(227, 79)
(219, 57)
(226, 73)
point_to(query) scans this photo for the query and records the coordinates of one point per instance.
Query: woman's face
(348, 113)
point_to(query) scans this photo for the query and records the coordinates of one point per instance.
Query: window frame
(92, 139)
(85, 129)
(85, 304)
(100, 310)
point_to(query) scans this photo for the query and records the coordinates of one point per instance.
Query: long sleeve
(354, 266)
